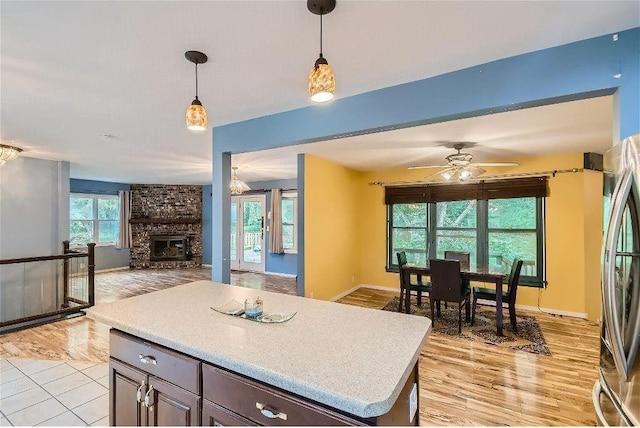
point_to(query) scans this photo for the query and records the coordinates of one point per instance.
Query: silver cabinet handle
(139, 393)
(147, 359)
(264, 409)
(148, 397)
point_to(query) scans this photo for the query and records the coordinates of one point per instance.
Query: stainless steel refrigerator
(616, 394)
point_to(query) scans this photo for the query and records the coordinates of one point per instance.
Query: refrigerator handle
(621, 193)
(595, 395)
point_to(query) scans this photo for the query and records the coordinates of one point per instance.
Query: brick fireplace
(166, 226)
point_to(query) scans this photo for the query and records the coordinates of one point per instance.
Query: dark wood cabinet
(217, 416)
(151, 385)
(127, 387)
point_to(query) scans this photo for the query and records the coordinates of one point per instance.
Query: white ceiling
(72, 72)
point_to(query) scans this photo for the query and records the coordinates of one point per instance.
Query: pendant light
(8, 153)
(196, 116)
(237, 186)
(322, 81)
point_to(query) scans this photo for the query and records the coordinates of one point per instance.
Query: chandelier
(237, 186)
(8, 153)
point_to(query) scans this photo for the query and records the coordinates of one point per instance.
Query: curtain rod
(551, 173)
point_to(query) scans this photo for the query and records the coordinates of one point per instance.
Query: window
(94, 218)
(289, 215)
(427, 221)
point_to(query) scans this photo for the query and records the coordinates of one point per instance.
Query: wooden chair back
(446, 281)
(461, 256)
(514, 278)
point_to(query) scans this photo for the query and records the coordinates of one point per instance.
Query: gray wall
(34, 220)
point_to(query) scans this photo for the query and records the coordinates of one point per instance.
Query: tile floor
(53, 393)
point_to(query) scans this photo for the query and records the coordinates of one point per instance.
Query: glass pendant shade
(196, 117)
(8, 153)
(322, 82)
(461, 173)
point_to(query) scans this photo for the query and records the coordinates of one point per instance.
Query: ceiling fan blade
(428, 166)
(496, 164)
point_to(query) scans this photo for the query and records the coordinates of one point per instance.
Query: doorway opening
(247, 233)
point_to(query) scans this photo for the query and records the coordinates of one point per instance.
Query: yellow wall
(573, 242)
(345, 231)
(330, 236)
(592, 244)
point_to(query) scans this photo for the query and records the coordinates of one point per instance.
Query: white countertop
(350, 358)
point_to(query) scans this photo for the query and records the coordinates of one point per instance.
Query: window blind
(495, 189)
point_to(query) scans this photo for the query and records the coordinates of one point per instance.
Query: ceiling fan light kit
(322, 80)
(459, 166)
(196, 117)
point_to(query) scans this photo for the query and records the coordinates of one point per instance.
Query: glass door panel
(247, 233)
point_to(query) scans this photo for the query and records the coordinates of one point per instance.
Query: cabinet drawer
(245, 397)
(157, 360)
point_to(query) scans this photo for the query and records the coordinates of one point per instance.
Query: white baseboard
(382, 288)
(582, 315)
(207, 266)
(341, 295)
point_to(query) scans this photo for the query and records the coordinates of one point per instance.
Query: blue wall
(101, 187)
(107, 256)
(577, 70)
(207, 234)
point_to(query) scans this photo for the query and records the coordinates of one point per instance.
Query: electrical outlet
(311, 295)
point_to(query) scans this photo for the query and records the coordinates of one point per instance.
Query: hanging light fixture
(322, 81)
(8, 153)
(237, 186)
(196, 116)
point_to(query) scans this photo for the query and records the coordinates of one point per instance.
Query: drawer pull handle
(139, 393)
(148, 397)
(264, 409)
(147, 359)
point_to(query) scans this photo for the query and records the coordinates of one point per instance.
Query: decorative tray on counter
(236, 309)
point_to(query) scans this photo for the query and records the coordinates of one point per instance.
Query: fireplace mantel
(145, 220)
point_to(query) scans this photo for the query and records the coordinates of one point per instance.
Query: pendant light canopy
(322, 81)
(237, 186)
(8, 153)
(196, 116)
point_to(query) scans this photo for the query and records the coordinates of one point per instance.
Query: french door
(247, 232)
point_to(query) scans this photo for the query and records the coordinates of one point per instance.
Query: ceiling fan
(459, 166)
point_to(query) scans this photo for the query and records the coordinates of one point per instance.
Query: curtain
(275, 222)
(124, 234)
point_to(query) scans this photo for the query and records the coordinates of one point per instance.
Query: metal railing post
(92, 269)
(65, 274)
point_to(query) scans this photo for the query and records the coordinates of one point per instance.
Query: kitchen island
(330, 364)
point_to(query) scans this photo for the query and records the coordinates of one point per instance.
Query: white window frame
(293, 196)
(96, 222)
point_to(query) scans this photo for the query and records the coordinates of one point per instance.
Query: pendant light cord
(321, 33)
(196, 80)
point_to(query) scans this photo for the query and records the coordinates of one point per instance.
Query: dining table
(473, 272)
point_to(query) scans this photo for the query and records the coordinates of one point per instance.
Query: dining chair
(508, 296)
(461, 256)
(407, 285)
(446, 285)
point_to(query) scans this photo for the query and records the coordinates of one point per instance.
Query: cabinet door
(127, 387)
(170, 405)
(216, 416)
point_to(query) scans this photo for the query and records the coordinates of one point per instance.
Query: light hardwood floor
(461, 382)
